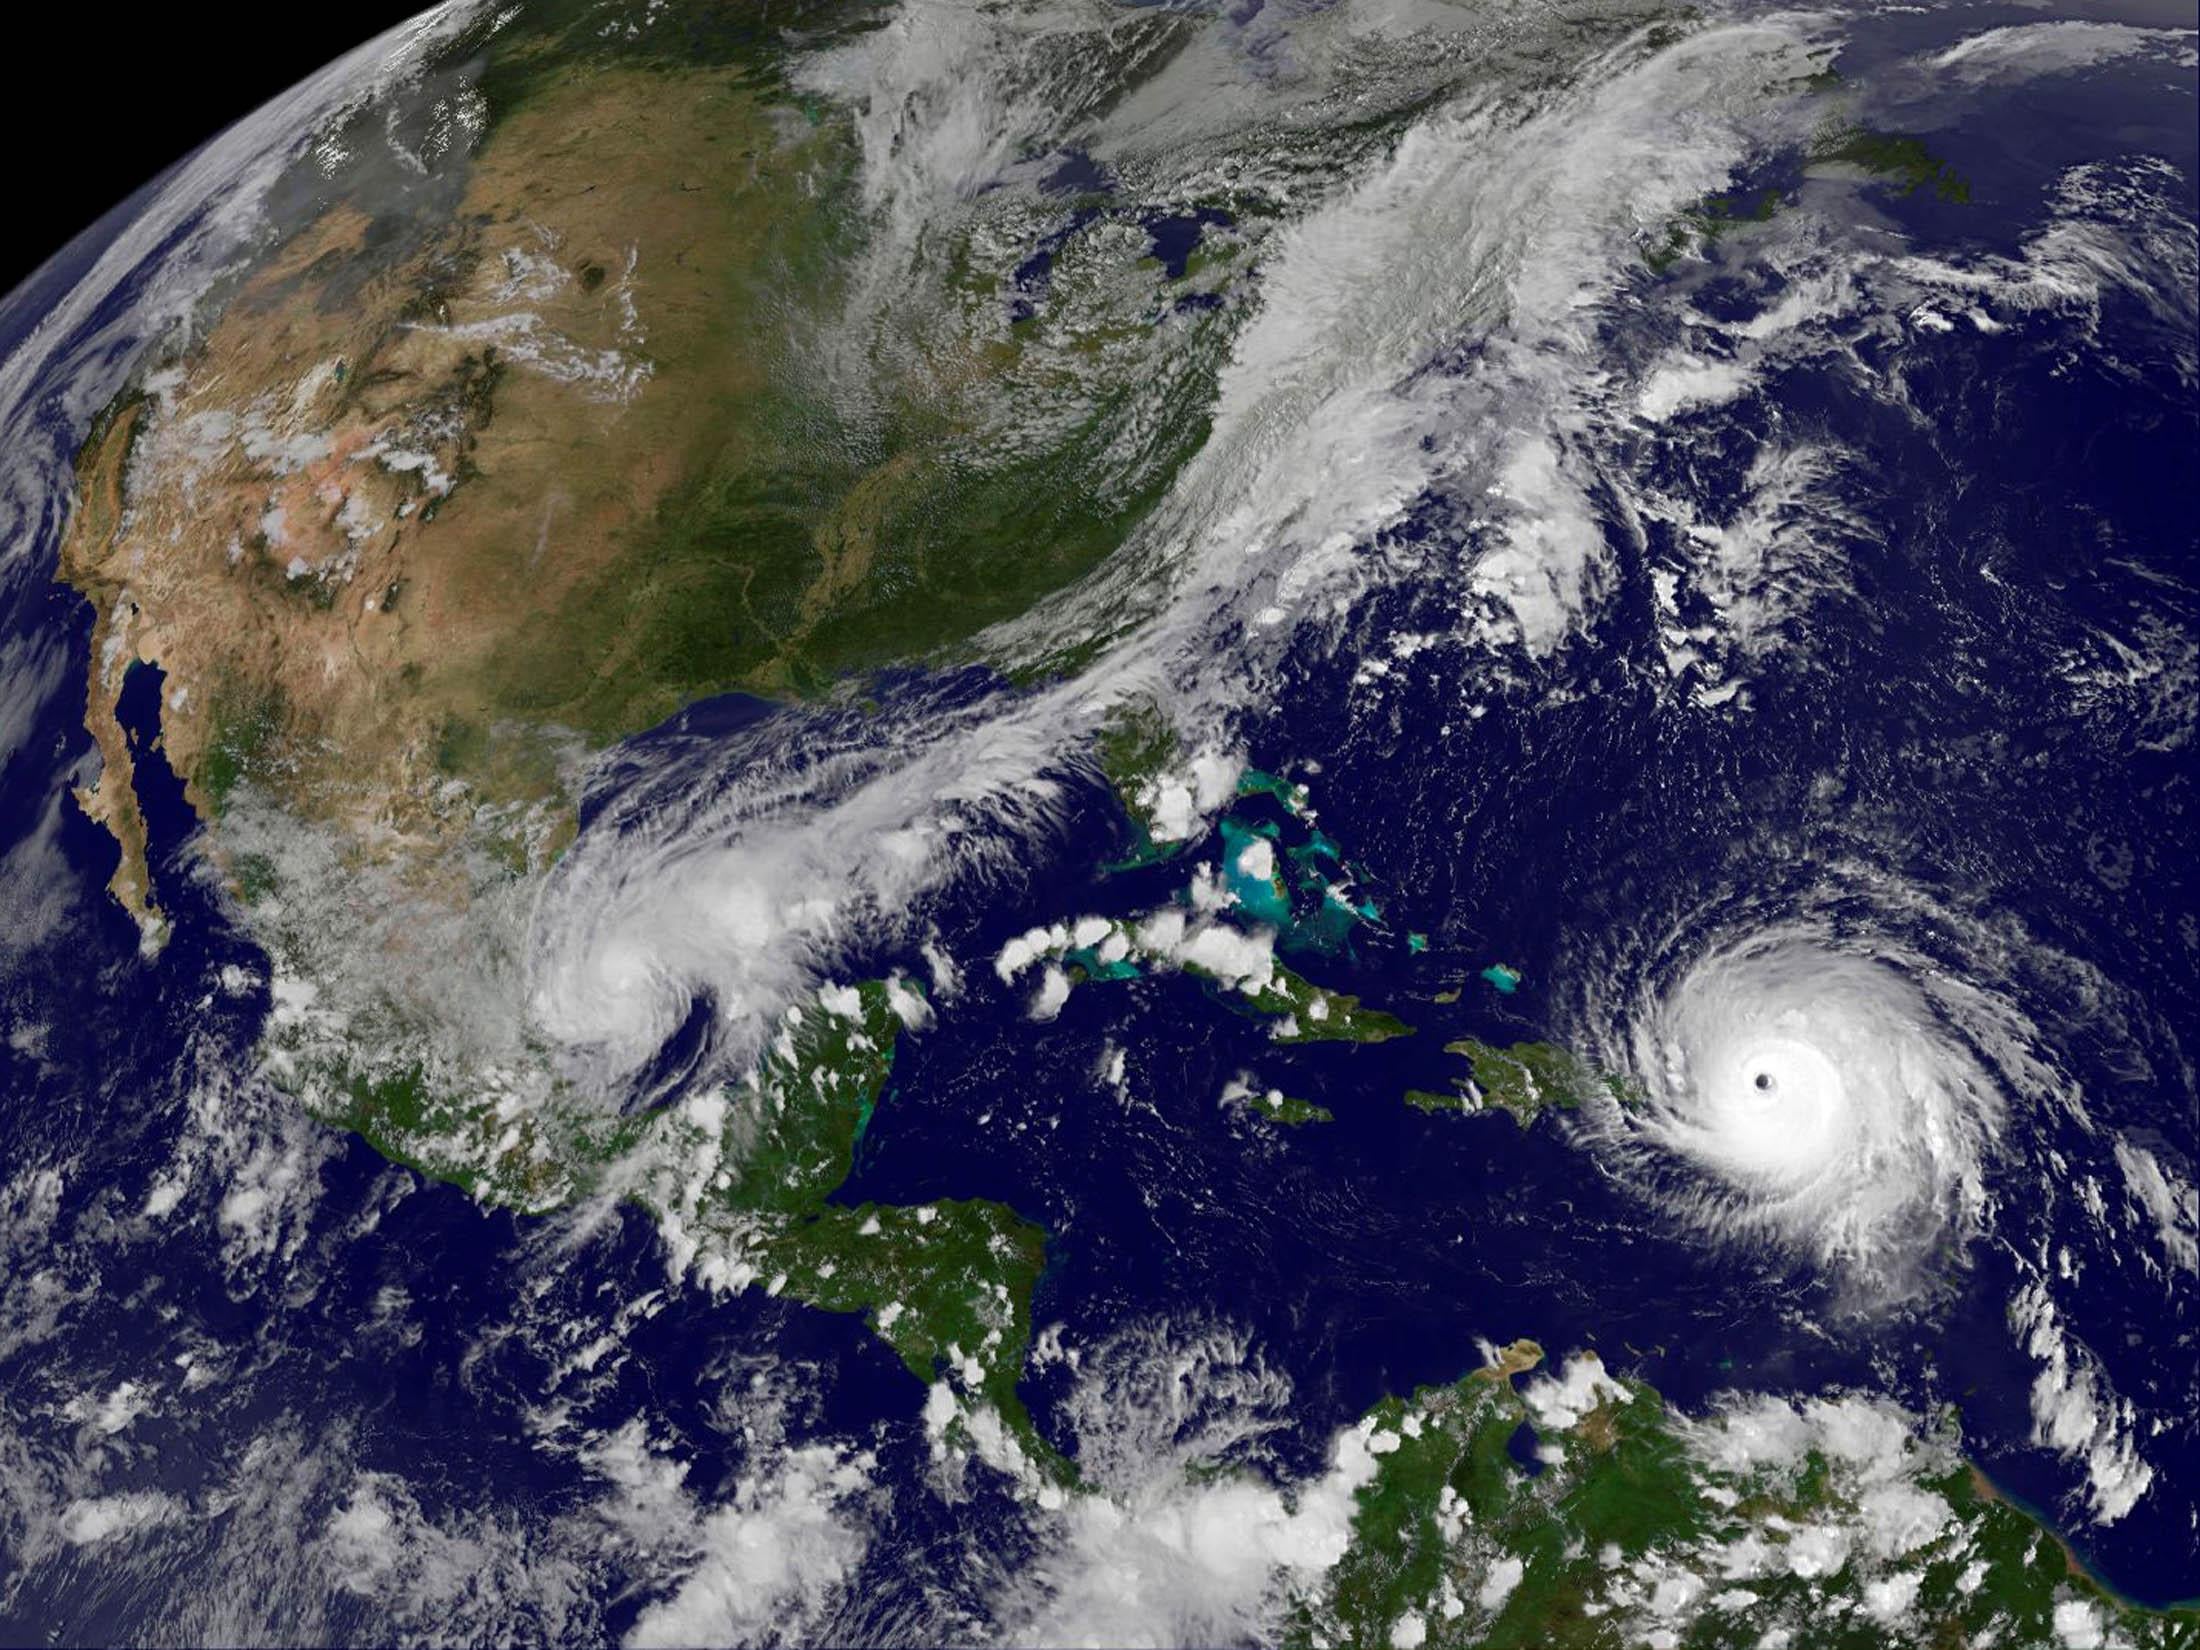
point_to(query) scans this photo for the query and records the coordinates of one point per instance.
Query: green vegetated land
(1274, 1107)
(1906, 162)
(712, 449)
(742, 1179)
(806, 537)
(1304, 1012)
(1644, 1527)
(1523, 1081)
(809, 532)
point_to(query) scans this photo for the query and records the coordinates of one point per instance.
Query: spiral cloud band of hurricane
(1841, 1077)
(719, 876)
(1818, 1094)
(1329, 426)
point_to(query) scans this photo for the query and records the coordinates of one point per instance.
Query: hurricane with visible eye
(1827, 1090)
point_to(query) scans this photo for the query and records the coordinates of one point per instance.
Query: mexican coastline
(1112, 918)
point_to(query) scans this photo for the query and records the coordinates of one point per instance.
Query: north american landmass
(462, 485)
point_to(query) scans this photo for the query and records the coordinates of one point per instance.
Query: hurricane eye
(1764, 1079)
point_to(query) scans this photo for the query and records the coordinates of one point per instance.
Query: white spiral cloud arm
(1824, 1096)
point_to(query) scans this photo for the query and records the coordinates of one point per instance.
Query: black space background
(100, 99)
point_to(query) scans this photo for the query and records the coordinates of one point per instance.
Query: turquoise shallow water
(1977, 728)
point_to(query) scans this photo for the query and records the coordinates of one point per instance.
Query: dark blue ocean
(1364, 1256)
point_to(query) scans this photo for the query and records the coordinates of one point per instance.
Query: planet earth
(1304, 822)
